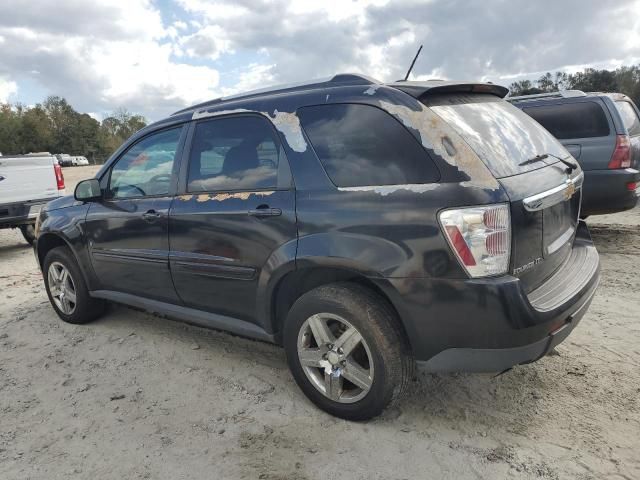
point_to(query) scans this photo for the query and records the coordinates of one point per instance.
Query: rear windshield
(629, 117)
(500, 134)
(571, 120)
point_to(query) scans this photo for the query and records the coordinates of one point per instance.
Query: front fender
(66, 224)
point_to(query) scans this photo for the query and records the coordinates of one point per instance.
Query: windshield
(500, 134)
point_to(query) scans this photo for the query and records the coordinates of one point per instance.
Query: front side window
(629, 117)
(361, 145)
(238, 153)
(571, 120)
(146, 168)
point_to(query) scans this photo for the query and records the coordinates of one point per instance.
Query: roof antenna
(412, 64)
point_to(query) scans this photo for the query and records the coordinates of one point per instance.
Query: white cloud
(126, 61)
(7, 88)
(104, 54)
(209, 42)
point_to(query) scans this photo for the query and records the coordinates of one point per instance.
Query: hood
(62, 202)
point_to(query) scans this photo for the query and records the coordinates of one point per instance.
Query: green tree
(55, 126)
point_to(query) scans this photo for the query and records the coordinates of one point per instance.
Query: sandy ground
(136, 396)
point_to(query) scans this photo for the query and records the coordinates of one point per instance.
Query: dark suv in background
(602, 132)
(363, 226)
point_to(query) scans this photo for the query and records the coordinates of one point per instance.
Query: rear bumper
(492, 324)
(23, 213)
(606, 191)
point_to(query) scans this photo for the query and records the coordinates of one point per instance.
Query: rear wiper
(572, 166)
(535, 159)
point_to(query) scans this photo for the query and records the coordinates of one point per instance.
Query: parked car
(27, 183)
(602, 132)
(64, 159)
(362, 226)
(67, 160)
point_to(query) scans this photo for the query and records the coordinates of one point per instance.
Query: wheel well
(46, 243)
(299, 282)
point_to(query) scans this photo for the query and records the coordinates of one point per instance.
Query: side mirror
(88, 190)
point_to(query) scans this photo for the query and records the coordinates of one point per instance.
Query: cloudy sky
(155, 56)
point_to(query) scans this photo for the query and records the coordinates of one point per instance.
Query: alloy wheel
(62, 288)
(335, 358)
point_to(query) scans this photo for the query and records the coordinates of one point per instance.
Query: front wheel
(346, 351)
(29, 233)
(67, 289)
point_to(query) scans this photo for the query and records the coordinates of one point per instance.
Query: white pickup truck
(27, 183)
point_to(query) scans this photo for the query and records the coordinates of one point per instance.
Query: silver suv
(602, 132)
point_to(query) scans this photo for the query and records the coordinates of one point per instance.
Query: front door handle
(151, 216)
(265, 211)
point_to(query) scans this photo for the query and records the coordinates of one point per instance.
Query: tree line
(54, 126)
(623, 80)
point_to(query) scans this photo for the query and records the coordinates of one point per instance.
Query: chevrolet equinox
(365, 227)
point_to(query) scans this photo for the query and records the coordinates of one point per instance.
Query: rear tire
(346, 351)
(67, 289)
(29, 233)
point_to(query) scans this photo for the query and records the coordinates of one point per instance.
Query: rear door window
(235, 153)
(500, 134)
(361, 145)
(571, 120)
(629, 117)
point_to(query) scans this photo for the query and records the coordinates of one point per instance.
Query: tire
(29, 233)
(84, 308)
(383, 364)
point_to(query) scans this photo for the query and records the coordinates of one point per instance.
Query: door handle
(151, 216)
(265, 211)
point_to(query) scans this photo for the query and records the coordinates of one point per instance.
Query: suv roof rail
(558, 94)
(338, 79)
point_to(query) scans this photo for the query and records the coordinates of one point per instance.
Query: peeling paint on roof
(433, 130)
(385, 190)
(204, 113)
(372, 89)
(289, 125)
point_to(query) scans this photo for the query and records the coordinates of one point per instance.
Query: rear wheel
(346, 352)
(67, 289)
(29, 233)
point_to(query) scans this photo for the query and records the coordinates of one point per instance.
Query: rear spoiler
(432, 87)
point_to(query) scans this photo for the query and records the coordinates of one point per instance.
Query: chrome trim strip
(559, 242)
(554, 195)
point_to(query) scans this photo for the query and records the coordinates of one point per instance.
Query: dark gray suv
(363, 226)
(602, 132)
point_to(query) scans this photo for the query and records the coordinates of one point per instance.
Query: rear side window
(571, 120)
(361, 145)
(629, 117)
(239, 153)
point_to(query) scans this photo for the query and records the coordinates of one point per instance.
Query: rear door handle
(264, 211)
(151, 216)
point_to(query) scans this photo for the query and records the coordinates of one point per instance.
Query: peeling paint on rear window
(500, 134)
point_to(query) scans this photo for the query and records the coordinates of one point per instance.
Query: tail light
(621, 157)
(632, 186)
(480, 237)
(59, 177)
